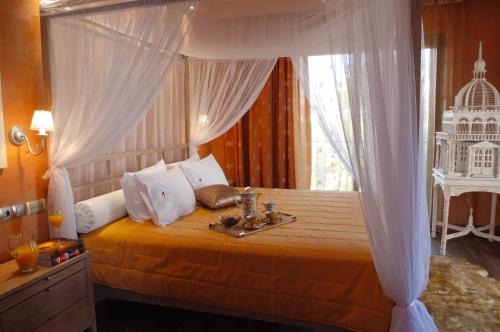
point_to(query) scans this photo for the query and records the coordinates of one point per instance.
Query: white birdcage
(468, 127)
(467, 154)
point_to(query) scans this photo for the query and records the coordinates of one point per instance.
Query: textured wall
(21, 71)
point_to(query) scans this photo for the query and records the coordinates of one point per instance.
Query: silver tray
(240, 231)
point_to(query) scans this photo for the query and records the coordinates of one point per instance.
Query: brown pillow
(217, 196)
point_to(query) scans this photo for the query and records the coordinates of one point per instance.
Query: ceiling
(216, 9)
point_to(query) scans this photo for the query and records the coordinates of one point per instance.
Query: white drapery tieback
(48, 173)
(60, 197)
(411, 317)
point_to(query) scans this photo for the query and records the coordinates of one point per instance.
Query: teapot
(247, 202)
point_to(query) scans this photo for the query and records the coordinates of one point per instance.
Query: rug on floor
(461, 297)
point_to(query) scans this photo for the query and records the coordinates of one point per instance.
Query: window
(328, 170)
(478, 158)
(463, 126)
(477, 126)
(488, 158)
(491, 126)
(428, 72)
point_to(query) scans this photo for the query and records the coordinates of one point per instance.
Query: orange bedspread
(317, 269)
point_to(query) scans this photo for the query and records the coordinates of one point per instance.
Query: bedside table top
(11, 279)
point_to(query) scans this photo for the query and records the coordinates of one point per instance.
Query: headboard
(104, 172)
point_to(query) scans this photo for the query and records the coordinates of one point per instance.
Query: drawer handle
(48, 278)
(48, 289)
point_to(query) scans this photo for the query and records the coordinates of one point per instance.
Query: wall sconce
(42, 121)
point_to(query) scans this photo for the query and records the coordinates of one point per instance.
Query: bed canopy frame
(109, 65)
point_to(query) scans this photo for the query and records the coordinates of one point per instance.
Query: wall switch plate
(22, 209)
(35, 206)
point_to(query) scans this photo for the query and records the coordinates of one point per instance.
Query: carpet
(461, 297)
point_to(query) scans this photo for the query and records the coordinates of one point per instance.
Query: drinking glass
(23, 248)
(56, 219)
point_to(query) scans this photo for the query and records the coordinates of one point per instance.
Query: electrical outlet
(6, 213)
(22, 209)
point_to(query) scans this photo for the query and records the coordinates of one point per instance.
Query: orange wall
(482, 24)
(22, 91)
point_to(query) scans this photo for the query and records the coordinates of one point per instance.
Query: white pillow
(194, 157)
(168, 194)
(99, 211)
(203, 173)
(135, 205)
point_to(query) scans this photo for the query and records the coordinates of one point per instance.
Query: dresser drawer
(44, 283)
(46, 304)
(76, 318)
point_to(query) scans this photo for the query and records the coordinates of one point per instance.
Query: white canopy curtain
(104, 82)
(379, 116)
(221, 92)
(163, 126)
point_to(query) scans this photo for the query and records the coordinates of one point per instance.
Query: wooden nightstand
(58, 298)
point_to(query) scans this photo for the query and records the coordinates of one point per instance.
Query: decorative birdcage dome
(478, 93)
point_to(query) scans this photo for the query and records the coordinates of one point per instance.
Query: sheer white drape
(221, 92)
(318, 83)
(106, 70)
(242, 31)
(379, 116)
(163, 126)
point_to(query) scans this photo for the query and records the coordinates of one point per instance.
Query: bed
(317, 270)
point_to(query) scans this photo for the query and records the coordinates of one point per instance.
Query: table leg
(434, 211)
(493, 215)
(444, 231)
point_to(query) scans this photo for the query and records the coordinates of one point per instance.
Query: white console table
(455, 186)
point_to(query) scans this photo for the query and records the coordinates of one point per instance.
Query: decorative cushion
(167, 194)
(99, 211)
(217, 196)
(135, 205)
(203, 173)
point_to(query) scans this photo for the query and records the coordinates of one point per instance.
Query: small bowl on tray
(230, 220)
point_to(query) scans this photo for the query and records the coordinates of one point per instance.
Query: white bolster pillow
(99, 211)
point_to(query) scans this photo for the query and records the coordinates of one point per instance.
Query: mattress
(317, 269)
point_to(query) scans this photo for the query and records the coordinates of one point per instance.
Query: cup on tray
(272, 215)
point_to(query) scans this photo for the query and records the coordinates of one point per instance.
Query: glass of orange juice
(23, 248)
(56, 219)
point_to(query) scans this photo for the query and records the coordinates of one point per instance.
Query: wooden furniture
(467, 153)
(53, 299)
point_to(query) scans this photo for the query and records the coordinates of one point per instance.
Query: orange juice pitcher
(24, 250)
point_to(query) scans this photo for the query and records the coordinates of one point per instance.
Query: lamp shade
(42, 121)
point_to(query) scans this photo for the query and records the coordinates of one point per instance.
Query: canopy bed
(190, 71)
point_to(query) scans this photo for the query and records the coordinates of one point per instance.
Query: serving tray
(240, 231)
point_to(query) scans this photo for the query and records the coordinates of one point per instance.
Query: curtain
(164, 125)
(244, 30)
(318, 85)
(221, 92)
(270, 146)
(372, 67)
(106, 70)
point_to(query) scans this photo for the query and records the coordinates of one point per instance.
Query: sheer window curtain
(221, 92)
(106, 70)
(379, 118)
(318, 90)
